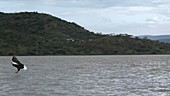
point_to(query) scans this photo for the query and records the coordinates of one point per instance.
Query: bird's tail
(25, 68)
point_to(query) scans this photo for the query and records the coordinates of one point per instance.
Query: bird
(16, 63)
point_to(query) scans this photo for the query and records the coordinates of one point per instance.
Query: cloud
(131, 16)
(130, 19)
(160, 2)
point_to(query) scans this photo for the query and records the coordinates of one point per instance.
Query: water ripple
(119, 75)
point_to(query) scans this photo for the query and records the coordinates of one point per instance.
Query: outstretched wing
(15, 61)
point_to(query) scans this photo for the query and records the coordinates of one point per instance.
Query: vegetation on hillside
(32, 33)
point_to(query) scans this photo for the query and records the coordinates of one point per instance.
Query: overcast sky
(134, 17)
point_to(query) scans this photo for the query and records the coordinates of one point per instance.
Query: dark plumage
(16, 63)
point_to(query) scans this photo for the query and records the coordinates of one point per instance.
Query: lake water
(114, 75)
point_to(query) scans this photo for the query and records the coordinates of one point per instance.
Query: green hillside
(32, 33)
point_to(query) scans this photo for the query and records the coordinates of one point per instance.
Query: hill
(161, 38)
(32, 33)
